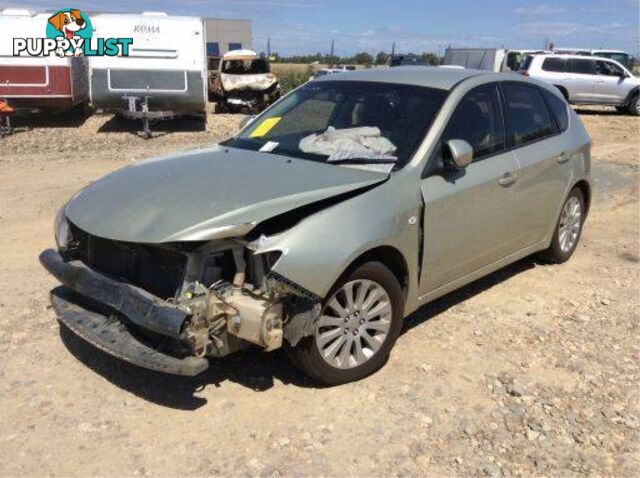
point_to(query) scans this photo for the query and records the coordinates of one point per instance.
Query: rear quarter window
(528, 117)
(554, 64)
(559, 109)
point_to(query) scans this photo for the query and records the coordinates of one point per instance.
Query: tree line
(362, 58)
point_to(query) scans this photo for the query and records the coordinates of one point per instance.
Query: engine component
(257, 320)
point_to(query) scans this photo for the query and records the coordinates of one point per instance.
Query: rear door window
(559, 108)
(554, 64)
(528, 117)
(478, 121)
(580, 66)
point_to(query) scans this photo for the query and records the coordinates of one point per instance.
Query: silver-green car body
(436, 231)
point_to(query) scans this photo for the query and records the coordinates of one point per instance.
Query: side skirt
(486, 270)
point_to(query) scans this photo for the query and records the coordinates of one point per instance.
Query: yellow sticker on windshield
(263, 128)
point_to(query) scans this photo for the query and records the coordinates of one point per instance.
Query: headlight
(61, 229)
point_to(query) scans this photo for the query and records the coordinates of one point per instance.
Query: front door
(470, 214)
(610, 84)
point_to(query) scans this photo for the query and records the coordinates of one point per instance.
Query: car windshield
(342, 121)
(526, 64)
(245, 67)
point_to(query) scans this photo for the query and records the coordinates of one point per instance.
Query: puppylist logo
(69, 32)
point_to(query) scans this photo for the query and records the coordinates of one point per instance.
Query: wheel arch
(585, 188)
(388, 256)
(631, 95)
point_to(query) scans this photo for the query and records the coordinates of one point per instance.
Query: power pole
(333, 45)
(393, 49)
(269, 47)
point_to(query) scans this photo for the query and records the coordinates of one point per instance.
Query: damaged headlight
(61, 229)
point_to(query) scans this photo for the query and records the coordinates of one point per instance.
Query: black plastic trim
(137, 305)
(110, 335)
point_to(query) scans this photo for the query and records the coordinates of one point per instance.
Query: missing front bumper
(140, 307)
(110, 335)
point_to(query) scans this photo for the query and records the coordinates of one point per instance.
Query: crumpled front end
(167, 307)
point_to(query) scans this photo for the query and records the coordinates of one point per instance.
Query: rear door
(554, 72)
(534, 134)
(469, 215)
(581, 77)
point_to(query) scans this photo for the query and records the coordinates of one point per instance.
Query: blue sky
(308, 26)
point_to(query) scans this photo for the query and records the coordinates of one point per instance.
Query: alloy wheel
(354, 324)
(570, 224)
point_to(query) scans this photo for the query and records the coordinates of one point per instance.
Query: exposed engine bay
(229, 296)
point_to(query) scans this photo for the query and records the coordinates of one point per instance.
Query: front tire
(634, 106)
(358, 326)
(569, 228)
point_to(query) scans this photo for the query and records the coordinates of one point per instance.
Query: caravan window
(153, 53)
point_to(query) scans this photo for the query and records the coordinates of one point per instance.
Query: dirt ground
(533, 370)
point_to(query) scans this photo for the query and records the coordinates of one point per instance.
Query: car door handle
(508, 179)
(563, 158)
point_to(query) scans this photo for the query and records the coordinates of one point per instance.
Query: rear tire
(354, 342)
(568, 231)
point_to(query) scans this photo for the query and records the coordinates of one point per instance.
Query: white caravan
(165, 74)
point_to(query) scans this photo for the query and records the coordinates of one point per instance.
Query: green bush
(291, 79)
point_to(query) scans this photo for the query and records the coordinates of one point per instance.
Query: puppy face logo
(68, 22)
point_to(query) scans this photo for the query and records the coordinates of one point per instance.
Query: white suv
(587, 80)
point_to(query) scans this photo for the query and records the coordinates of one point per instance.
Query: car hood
(206, 194)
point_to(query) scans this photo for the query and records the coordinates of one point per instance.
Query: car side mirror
(461, 153)
(246, 120)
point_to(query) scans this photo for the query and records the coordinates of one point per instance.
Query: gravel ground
(531, 371)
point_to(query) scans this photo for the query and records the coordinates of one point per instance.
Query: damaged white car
(324, 222)
(244, 81)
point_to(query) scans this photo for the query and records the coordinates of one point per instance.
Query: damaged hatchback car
(324, 222)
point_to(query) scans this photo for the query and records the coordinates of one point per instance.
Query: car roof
(427, 76)
(578, 57)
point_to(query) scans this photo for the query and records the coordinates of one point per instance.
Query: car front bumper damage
(174, 336)
(107, 331)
